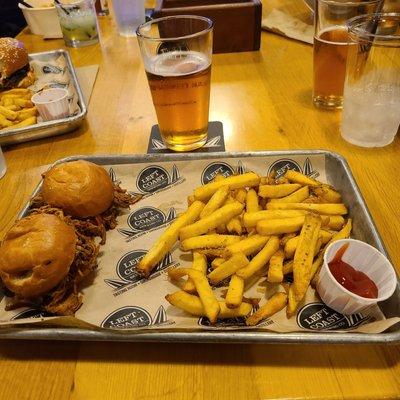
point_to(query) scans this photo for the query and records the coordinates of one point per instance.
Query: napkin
(86, 78)
(286, 25)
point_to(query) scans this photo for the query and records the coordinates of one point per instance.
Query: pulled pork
(65, 298)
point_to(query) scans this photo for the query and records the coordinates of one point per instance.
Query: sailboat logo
(308, 169)
(155, 178)
(144, 220)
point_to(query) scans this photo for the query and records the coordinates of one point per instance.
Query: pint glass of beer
(331, 46)
(176, 53)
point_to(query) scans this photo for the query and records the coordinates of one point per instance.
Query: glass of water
(129, 14)
(371, 108)
(78, 22)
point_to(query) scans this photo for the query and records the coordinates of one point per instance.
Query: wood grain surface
(263, 100)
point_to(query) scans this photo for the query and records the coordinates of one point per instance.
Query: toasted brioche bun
(36, 254)
(80, 188)
(13, 56)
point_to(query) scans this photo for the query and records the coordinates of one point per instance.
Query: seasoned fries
(243, 227)
(16, 109)
(168, 239)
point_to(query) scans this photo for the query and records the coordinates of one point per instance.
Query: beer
(180, 87)
(330, 56)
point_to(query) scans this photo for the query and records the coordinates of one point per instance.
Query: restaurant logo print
(318, 316)
(134, 317)
(31, 313)
(128, 278)
(144, 220)
(220, 168)
(282, 165)
(155, 178)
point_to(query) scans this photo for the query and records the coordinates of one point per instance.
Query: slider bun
(80, 188)
(36, 254)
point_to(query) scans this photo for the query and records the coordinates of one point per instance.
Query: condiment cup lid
(362, 257)
(49, 96)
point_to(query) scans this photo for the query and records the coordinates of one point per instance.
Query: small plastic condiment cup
(52, 103)
(362, 257)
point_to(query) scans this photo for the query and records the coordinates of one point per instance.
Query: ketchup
(351, 279)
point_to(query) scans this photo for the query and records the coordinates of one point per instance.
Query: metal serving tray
(49, 128)
(338, 172)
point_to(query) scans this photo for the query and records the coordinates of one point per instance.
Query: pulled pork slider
(84, 192)
(15, 71)
(42, 259)
(80, 188)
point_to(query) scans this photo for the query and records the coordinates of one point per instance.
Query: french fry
(303, 259)
(247, 246)
(190, 200)
(199, 264)
(234, 295)
(212, 253)
(277, 191)
(251, 201)
(328, 194)
(23, 103)
(342, 234)
(292, 303)
(291, 244)
(26, 122)
(249, 179)
(18, 91)
(168, 238)
(208, 242)
(216, 201)
(8, 102)
(240, 195)
(228, 268)
(327, 209)
(250, 219)
(4, 122)
(218, 178)
(336, 222)
(192, 304)
(275, 270)
(280, 226)
(287, 267)
(274, 304)
(26, 113)
(298, 177)
(296, 197)
(218, 217)
(217, 262)
(210, 303)
(234, 226)
(261, 259)
(10, 115)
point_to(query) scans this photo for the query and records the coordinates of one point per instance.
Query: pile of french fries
(16, 109)
(245, 227)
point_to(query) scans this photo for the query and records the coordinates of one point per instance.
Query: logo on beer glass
(167, 47)
(214, 169)
(318, 316)
(144, 220)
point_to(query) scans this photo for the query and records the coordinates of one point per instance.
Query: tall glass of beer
(331, 46)
(176, 53)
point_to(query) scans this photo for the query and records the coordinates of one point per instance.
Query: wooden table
(264, 101)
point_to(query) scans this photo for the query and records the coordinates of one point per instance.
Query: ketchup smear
(354, 281)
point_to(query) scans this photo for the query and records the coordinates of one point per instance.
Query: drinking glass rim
(349, 3)
(73, 4)
(356, 30)
(171, 17)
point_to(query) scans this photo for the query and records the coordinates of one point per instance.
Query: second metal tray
(338, 173)
(49, 128)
